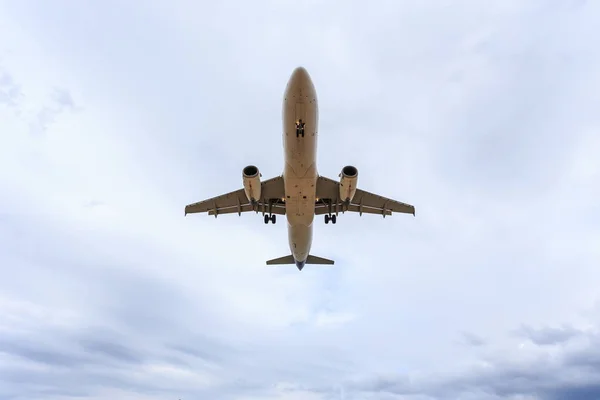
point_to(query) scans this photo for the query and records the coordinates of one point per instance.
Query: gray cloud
(10, 91)
(213, 351)
(571, 374)
(472, 339)
(111, 350)
(11, 95)
(483, 116)
(549, 336)
(60, 102)
(41, 353)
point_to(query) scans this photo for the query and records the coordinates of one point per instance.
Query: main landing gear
(331, 218)
(271, 218)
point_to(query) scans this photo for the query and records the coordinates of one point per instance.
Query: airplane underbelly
(300, 240)
(300, 172)
(300, 132)
(300, 122)
(300, 200)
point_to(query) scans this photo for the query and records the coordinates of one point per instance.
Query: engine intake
(348, 181)
(252, 187)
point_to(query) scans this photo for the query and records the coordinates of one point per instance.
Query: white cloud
(483, 116)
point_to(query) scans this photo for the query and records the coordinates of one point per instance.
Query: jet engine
(348, 181)
(251, 177)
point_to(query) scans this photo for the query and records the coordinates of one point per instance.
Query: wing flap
(322, 210)
(275, 209)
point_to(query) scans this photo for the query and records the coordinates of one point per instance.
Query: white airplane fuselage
(300, 131)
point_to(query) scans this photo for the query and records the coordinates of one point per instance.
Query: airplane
(300, 193)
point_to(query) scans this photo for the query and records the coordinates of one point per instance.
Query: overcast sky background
(114, 115)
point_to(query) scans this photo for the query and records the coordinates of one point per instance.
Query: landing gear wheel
(273, 218)
(333, 219)
(266, 219)
(326, 218)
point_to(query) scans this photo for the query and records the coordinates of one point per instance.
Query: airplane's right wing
(272, 193)
(362, 202)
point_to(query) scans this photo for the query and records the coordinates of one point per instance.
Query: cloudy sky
(114, 115)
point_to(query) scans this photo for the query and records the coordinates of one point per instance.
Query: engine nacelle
(348, 181)
(251, 177)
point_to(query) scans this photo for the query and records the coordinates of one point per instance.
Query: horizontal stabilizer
(282, 260)
(318, 260)
(309, 260)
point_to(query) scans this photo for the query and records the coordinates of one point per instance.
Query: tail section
(282, 260)
(300, 264)
(318, 260)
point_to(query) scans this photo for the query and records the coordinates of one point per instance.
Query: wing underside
(272, 193)
(362, 202)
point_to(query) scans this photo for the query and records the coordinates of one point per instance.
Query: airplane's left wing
(362, 202)
(272, 193)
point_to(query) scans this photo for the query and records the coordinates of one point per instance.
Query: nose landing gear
(300, 128)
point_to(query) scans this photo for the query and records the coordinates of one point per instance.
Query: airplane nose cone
(300, 85)
(300, 73)
(300, 78)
